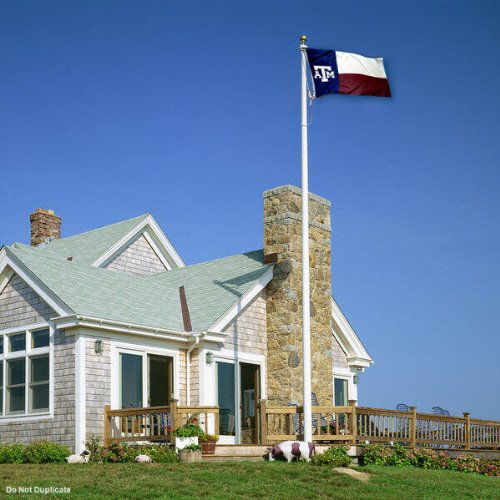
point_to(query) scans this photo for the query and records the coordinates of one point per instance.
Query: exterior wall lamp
(209, 358)
(98, 346)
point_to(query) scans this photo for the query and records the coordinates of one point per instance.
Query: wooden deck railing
(156, 423)
(331, 424)
(352, 424)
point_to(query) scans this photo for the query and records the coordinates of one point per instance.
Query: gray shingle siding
(248, 331)
(97, 385)
(339, 356)
(20, 306)
(138, 258)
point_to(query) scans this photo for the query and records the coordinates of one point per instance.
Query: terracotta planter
(189, 456)
(208, 448)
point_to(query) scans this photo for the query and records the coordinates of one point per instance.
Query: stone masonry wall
(21, 306)
(282, 235)
(138, 258)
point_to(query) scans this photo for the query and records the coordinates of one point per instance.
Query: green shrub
(43, 452)
(118, 453)
(488, 468)
(189, 430)
(95, 448)
(467, 463)
(39, 452)
(161, 453)
(376, 454)
(423, 457)
(12, 453)
(335, 456)
(427, 458)
(123, 453)
(398, 457)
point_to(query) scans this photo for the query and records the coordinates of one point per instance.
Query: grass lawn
(244, 480)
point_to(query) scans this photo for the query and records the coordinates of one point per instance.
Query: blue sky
(190, 110)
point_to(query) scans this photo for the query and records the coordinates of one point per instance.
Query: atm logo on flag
(324, 73)
(335, 72)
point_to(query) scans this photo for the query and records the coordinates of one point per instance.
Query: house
(115, 317)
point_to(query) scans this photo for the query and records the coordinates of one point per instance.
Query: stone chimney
(44, 224)
(282, 235)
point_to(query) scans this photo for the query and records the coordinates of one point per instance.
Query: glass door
(226, 400)
(249, 398)
(160, 380)
(131, 380)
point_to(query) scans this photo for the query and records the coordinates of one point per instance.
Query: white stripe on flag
(354, 63)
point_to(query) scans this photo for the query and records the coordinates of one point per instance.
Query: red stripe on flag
(356, 84)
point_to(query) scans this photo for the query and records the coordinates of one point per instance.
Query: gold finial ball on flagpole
(303, 39)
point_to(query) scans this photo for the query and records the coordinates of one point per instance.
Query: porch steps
(253, 453)
(236, 453)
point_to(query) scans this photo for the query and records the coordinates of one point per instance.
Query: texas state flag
(335, 72)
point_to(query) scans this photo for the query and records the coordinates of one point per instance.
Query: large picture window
(25, 372)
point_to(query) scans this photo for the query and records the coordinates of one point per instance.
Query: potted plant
(188, 434)
(191, 453)
(208, 442)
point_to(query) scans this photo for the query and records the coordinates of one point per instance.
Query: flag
(335, 72)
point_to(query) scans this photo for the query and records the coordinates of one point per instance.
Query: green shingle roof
(211, 287)
(86, 248)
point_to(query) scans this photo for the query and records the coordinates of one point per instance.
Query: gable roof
(151, 301)
(87, 247)
(357, 355)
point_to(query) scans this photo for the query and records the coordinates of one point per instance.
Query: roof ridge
(139, 217)
(204, 263)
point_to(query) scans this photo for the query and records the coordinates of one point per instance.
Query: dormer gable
(143, 250)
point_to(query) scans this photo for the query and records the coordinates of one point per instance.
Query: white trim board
(350, 343)
(80, 394)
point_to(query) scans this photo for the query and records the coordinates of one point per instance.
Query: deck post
(467, 430)
(107, 427)
(354, 421)
(263, 421)
(413, 427)
(174, 413)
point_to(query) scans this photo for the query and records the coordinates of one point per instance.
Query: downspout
(188, 369)
(186, 319)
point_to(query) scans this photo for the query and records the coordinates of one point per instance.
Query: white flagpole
(306, 313)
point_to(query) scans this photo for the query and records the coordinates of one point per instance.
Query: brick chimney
(282, 235)
(44, 224)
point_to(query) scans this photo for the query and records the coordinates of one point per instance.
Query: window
(340, 388)
(24, 372)
(16, 384)
(131, 380)
(40, 338)
(17, 342)
(39, 383)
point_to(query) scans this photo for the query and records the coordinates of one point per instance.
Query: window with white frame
(25, 372)
(340, 386)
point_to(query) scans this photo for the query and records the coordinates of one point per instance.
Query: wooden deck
(331, 424)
